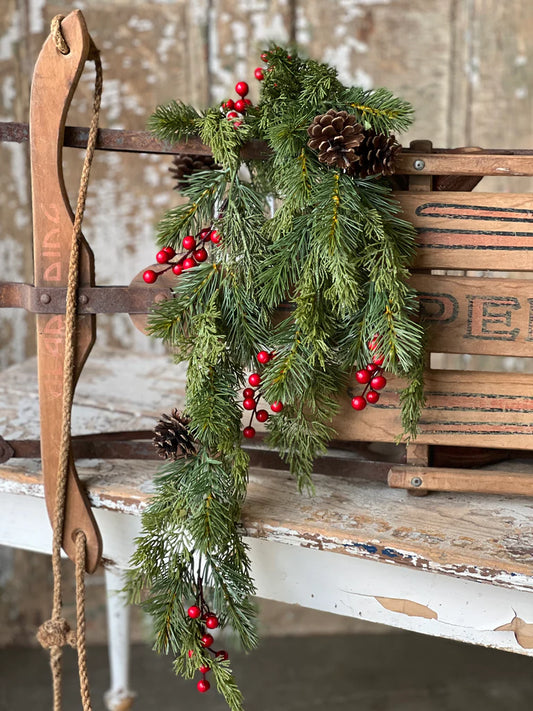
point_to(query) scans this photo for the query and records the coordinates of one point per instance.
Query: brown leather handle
(55, 79)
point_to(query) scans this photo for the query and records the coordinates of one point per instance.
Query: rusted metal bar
(138, 445)
(91, 300)
(110, 139)
(442, 160)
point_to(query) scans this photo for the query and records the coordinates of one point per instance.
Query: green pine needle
(311, 264)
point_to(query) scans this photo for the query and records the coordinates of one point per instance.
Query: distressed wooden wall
(466, 65)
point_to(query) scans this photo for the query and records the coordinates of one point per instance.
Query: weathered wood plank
(491, 76)
(478, 164)
(471, 536)
(403, 45)
(471, 230)
(471, 409)
(424, 479)
(477, 315)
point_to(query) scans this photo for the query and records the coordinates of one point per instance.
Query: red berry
(264, 56)
(373, 343)
(248, 392)
(378, 382)
(200, 255)
(237, 124)
(204, 669)
(240, 106)
(254, 379)
(247, 102)
(177, 269)
(371, 367)
(228, 104)
(378, 359)
(249, 432)
(189, 263)
(358, 402)
(194, 612)
(222, 654)
(242, 88)
(262, 415)
(232, 115)
(263, 357)
(150, 276)
(372, 397)
(162, 257)
(249, 403)
(276, 406)
(211, 622)
(189, 242)
(362, 376)
(170, 251)
(203, 685)
(204, 234)
(207, 640)
(215, 237)
(191, 653)
(258, 74)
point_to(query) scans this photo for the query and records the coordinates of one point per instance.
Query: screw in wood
(419, 164)
(416, 481)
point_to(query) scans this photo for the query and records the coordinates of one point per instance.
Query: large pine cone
(172, 437)
(336, 135)
(376, 155)
(185, 165)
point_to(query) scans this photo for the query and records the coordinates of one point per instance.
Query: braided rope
(56, 633)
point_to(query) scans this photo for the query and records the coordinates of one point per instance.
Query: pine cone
(185, 164)
(172, 436)
(336, 135)
(376, 155)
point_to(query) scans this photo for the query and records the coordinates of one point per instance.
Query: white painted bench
(450, 565)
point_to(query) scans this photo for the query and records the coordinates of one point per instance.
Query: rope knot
(56, 633)
(57, 34)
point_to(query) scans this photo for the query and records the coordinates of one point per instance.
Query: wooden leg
(119, 697)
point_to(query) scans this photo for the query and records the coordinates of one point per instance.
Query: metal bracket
(91, 300)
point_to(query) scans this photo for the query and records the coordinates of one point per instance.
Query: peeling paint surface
(523, 631)
(407, 607)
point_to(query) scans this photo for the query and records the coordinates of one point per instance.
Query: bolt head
(416, 481)
(419, 164)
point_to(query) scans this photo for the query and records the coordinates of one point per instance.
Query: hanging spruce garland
(301, 295)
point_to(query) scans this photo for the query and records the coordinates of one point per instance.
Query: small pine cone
(336, 135)
(184, 165)
(172, 436)
(376, 155)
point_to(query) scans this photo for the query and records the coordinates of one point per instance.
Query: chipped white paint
(119, 696)
(466, 610)
(285, 535)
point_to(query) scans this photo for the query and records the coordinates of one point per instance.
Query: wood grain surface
(463, 408)
(55, 80)
(466, 65)
(477, 537)
(474, 231)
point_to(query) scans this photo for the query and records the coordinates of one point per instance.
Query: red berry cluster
(200, 610)
(372, 378)
(252, 397)
(235, 110)
(195, 253)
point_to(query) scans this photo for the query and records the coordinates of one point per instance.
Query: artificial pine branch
(301, 295)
